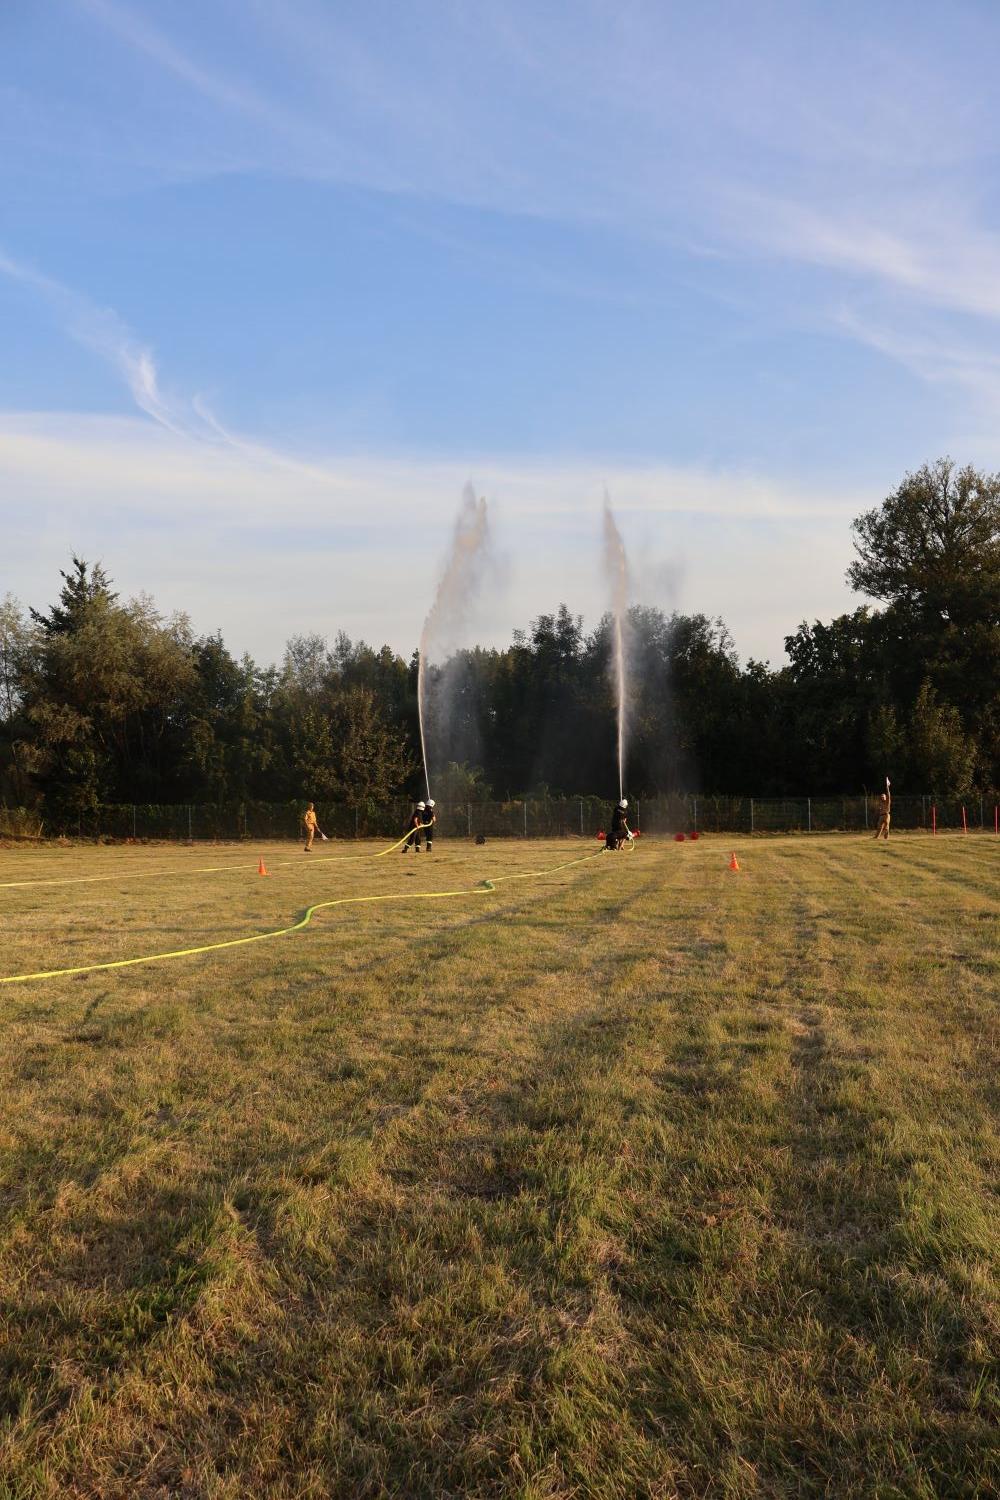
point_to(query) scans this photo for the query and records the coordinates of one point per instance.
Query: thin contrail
(106, 334)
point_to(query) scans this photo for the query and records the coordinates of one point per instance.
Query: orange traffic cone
(734, 863)
(262, 868)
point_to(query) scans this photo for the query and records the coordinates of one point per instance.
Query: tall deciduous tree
(931, 552)
(934, 545)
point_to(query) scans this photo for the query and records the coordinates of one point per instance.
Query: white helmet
(430, 801)
(623, 803)
(421, 806)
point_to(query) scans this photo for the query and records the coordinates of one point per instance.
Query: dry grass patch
(640, 1178)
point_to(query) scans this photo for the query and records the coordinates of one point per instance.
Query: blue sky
(276, 279)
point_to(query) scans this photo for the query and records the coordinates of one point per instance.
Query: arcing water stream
(451, 602)
(617, 571)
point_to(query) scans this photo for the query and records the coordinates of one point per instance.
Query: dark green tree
(931, 553)
(941, 757)
(933, 546)
(225, 733)
(18, 640)
(102, 693)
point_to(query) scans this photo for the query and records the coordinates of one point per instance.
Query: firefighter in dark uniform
(427, 821)
(620, 830)
(413, 837)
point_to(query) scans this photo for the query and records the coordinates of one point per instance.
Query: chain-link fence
(975, 811)
(549, 817)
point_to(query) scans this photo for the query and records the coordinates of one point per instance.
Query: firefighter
(620, 830)
(415, 824)
(427, 820)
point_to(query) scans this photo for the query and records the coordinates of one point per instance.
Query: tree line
(109, 701)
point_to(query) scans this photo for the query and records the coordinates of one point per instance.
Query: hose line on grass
(484, 888)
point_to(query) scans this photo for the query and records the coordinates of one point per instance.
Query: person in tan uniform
(310, 824)
(884, 812)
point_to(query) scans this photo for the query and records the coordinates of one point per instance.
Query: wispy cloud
(584, 104)
(190, 418)
(343, 542)
(784, 137)
(146, 38)
(117, 454)
(280, 516)
(294, 136)
(937, 356)
(101, 330)
(947, 261)
(845, 147)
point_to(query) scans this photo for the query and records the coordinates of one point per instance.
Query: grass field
(641, 1178)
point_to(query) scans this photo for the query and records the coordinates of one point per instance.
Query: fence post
(133, 820)
(525, 817)
(809, 815)
(190, 839)
(581, 817)
(751, 815)
(982, 820)
(696, 814)
(866, 809)
(468, 809)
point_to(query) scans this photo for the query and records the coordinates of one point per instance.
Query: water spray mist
(451, 602)
(617, 571)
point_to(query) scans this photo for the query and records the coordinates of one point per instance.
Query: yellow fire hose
(483, 889)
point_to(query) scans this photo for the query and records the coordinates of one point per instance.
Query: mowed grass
(639, 1178)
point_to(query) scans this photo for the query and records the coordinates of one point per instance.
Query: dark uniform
(619, 829)
(413, 837)
(427, 821)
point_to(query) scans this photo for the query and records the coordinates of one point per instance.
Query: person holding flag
(884, 812)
